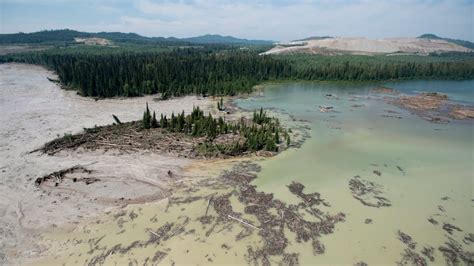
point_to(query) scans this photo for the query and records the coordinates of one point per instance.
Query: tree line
(377, 68)
(176, 73)
(226, 71)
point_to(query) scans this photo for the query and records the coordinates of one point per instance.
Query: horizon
(231, 36)
(280, 20)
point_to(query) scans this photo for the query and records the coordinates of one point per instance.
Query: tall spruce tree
(154, 122)
(146, 118)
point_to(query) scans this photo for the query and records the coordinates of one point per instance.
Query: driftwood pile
(368, 192)
(162, 233)
(58, 176)
(410, 256)
(454, 253)
(406, 239)
(469, 239)
(273, 215)
(434, 107)
(450, 228)
(126, 137)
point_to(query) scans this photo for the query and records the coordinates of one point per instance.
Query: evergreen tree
(220, 105)
(154, 122)
(277, 136)
(146, 118)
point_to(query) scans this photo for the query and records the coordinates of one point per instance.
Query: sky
(279, 20)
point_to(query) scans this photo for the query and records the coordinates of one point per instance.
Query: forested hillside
(67, 36)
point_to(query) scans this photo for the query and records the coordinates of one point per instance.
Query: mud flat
(35, 111)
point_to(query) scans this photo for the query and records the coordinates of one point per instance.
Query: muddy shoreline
(75, 186)
(36, 111)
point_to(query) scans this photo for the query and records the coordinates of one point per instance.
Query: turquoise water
(436, 159)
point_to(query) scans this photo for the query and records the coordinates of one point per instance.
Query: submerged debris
(162, 233)
(309, 199)
(450, 228)
(290, 259)
(453, 253)
(318, 247)
(433, 221)
(273, 216)
(406, 239)
(401, 169)
(410, 256)
(428, 252)
(469, 238)
(325, 109)
(368, 192)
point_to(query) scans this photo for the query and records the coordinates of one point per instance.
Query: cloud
(278, 19)
(286, 20)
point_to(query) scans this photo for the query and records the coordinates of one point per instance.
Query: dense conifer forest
(176, 73)
(224, 70)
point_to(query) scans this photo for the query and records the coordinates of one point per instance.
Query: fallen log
(243, 222)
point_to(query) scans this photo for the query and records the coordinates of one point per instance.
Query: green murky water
(420, 163)
(426, 172)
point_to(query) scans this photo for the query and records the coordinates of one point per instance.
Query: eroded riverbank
(35, 111)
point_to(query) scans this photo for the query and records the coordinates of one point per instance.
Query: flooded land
(370, 177)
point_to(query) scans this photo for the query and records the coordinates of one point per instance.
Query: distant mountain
(66, 35)
(42, 36)
(463, 43)
(313, 38)
(219, 39)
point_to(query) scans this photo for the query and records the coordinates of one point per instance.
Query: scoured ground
(35, 111)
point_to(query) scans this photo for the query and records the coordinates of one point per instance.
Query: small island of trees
(191, 135)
